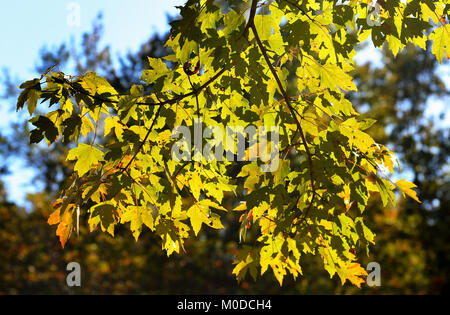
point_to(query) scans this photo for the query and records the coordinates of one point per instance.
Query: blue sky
(26, 26)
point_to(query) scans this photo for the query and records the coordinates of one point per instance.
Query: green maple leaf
(103, 214)
(86, 156)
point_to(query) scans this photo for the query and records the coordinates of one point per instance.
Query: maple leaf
(55, 217)
(137, 216)
(200, 213)
(235, 83)
(105, 214)
(332, 75)
(352, 272)
(64, 228)
(441, 42)
(86, 156)
(158, 69)
(405, 187)
(114, 123)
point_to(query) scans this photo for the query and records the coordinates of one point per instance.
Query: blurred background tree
(412, 239)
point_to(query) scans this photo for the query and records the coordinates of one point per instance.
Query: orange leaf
(56, 204)
(64, 228)
(250, 216)
(54, 218)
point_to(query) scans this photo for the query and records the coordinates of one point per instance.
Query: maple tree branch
(291, 109)
(145, 139)
(175, 174)
(194, 92)
(300, 8)
(251, 18)
(170, 101)
(196, 96)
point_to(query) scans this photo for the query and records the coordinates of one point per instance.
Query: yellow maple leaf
(405, 188)
(441, 42)
(352, 272)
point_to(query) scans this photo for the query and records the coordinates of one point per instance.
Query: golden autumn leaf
(54, 218)
(405, 188)
(352, 272)
(64, 227)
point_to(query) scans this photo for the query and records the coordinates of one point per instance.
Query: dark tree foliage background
(412, 239)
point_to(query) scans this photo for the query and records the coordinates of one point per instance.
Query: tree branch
(171, 101)
(300, 8)
(145, 139)
(291, 109)
(251, 18)
(194, 92)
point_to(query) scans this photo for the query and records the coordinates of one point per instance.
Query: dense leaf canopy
(232, 63)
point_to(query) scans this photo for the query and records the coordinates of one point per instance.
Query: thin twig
(170, 101)
(196, 97)
(145, 139)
